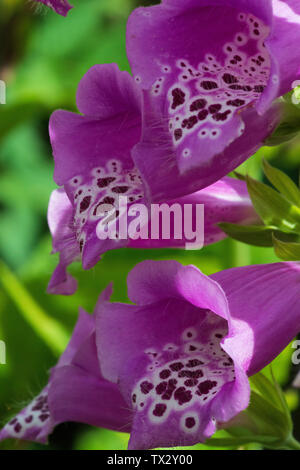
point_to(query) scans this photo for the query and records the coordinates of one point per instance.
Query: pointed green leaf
(286, 251)
(289, 126)
(273, 208)
(282, 183)
(257, 235)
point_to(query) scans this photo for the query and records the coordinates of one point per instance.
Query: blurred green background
(42, 58)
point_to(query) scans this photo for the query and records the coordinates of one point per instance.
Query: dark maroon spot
(146, 387)
(247, 88)
(194, 363)
(159, 409)
(103, 182)
(18, 427)
(177, 134)
(108, 200)
(191, 374)
(178, 98)
(134, 398)
(191, 382)
(229, 79)
(205, 387)
(13, 421)
(236, 87)
(259, 88)
(237, 58)
(38, 407)
(192, 348)
(170, 389)
(214, 108)
(182, 395)
(203, 115)
(161, 387)
(176, 366)
(198, 104)
(221, 116)
(190, 422)
(43, 417)
(256, 32)
(190, 122)
(165, 374)
(209, 85)
(120, 189)
(84, 205)
(29, 419)
(237, 103)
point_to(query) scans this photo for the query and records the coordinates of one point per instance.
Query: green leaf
(289, 126)
(49, 329)
(256, 235)
(273, 208)
(282, 183)
(286, 251)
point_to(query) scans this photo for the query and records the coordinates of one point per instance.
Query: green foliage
(279, 210)
(43, 57)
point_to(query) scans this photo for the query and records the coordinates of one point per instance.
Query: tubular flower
(182, 367)
(94, 166)
(74, 392)
(61, 7)
(210, 71)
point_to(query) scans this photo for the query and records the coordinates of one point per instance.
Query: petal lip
(151, 281)
(151, 23)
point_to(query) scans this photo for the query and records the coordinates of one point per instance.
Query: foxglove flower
(182, 367)
(210, 71)
(76, 391)
(93, 163)
(61, 7)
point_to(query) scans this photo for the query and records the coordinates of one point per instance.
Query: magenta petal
(60, 221)
(285, 34)
(207, 71)
(170, 365)
(227, 200)
(111, 105)
(156, 151)
(59, 6)
(33, 423)
(105, 92)
(78, 396)
(261, 311)
(151, 281)
(76, 391)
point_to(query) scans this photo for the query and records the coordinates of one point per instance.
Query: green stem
(49, 329)
(292, 444)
